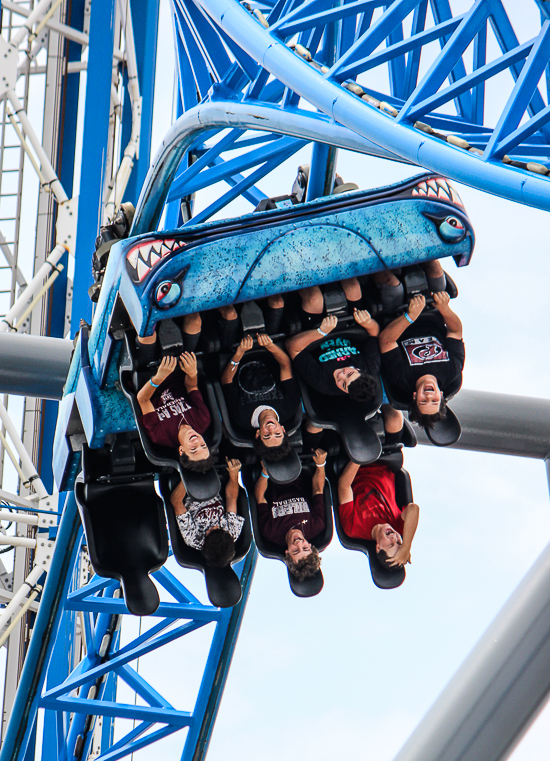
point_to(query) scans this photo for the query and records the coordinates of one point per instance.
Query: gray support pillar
(502, 424)
(34, 365)
(497, 692)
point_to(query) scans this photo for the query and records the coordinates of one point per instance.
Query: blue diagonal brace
(374, 36)
(471, 80)
(175, 718)
(400, 48)
(243, 185)
(324, 17)
(511, 143)
(308, 8)
(413, 59)
(175, 587)
(165, 609)
(143, 688)
(127, 748)
(522, 93)
(227, 169)
(119, 660)
(448, 58)
(97, 584)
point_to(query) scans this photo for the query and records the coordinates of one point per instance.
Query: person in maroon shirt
(368, 510)
(174, 413)
(292, 514)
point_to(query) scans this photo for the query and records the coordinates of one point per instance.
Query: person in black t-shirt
(423, 358)
(339, 364)
(259, 403)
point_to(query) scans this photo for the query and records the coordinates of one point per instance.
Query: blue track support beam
(89, 691)
(258, 50)
(448, 58)
(145, 14)
(94, 152)
(23, 716)
(214, 679)
(522, 94)
(321, 172)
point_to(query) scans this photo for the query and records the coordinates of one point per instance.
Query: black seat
(382, 577)
(407, 439)
(201, 485)
(125, 531)
(349, 417)
(414, 282)
(308, 587)
(222, 584)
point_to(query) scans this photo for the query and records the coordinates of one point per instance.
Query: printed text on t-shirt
(336, 348)
(289, 507)
(171, 406)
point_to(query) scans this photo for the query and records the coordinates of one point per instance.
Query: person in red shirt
(174, 413)
(368, 510)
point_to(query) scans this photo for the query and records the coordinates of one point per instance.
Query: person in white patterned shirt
(211, 526)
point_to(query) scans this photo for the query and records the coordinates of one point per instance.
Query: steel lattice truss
(437, 111)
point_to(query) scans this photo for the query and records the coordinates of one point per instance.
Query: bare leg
(229, 325)
(436, 276)
(393, 419)
(273, 314)
(351, 288)
(192, 324)
(433, 268)
(312, 300)
(275, 302)
(386, 277)
(228, 312)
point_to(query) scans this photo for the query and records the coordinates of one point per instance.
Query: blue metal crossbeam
(351, 41)
(521, 96)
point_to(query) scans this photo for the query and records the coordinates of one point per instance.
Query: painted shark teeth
(437, 187)
(144, 256)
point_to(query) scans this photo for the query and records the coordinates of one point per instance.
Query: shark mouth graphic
(438, 187)
(142, 258)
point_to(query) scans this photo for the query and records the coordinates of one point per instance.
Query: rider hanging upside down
(292, 514)
(258, 402)
(174, 413)
(368, 510)
(423, 357)
(210, 526)
(339, 364)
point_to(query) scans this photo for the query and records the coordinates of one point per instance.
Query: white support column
(27, 464)
(46, 168)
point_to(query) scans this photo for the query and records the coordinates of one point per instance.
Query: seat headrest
(201, 486)
(445, 432)
(394, 460)
(309, 587)
(286, 470)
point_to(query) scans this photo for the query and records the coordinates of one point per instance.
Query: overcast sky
(352, 671)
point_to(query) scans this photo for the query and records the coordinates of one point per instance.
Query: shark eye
(167, 294)
(452, 230)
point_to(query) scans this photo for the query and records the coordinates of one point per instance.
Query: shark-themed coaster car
(322, 241)
(165, 275)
